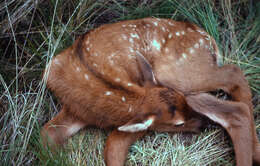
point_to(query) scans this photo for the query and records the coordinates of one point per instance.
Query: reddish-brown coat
(101, 81)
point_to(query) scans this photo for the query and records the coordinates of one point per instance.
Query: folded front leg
(117, 145)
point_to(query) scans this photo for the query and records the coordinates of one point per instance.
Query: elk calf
(148, 74)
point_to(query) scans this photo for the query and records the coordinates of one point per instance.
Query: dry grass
(32, 32)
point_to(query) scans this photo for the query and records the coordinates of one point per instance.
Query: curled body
(147, 74)
(99, 75)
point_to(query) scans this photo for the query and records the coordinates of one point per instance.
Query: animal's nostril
(179, 123)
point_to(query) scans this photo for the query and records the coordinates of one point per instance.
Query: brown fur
(101, 81)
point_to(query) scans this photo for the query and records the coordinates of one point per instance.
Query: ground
(32, 32)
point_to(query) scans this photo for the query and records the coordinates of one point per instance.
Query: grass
(32, 32)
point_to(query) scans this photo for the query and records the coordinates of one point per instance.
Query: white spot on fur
(184, 55)
(170, 23)
(124, 36)
(132, 25)
(77, 69)
(191, 50)
(113, 54)
(196, 45)
(182, 32)
(56, 61)
(163, 41)
(177, 33)
(95, 65)
(130, 109)
(72, 129)
(131, 49)
(86, 76)
(167, 50)
(156, 45)
(129, 84)
(201, 41)
(123, 99)
(137, 127)
(117, 80)
(170, 35)
(88, 48)
(163, 29)
(134, 35)
(108, 93)
(201, 32)
(180, 61)
(131, 40)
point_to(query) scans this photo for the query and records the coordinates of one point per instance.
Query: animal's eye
(172, 108)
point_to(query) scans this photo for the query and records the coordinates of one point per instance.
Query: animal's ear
(138, 124)
(235, 117)
(211, 107)
(146, 69)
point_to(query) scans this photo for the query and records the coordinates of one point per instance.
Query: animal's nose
(179, 123)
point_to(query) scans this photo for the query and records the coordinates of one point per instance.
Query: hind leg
(59, 128)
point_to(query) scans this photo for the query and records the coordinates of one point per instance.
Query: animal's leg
(238, 87)
(235, 118)
(117, 146)
(59, 128)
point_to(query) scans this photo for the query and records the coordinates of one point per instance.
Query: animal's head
(162, 108)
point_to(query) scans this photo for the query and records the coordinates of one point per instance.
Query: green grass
(32, 33)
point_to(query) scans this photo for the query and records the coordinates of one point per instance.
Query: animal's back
(179, 49)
